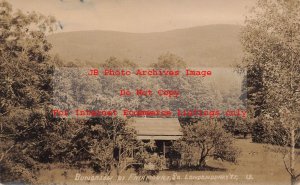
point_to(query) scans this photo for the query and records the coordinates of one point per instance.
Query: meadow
(257, 164)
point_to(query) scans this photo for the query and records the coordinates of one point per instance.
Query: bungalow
(161, 131)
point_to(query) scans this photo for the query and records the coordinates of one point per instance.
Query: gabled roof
(157, 128)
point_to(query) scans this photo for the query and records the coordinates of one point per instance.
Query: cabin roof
(157, 128)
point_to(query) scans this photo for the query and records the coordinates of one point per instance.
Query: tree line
(31, 136)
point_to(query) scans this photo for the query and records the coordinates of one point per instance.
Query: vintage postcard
(175, 92)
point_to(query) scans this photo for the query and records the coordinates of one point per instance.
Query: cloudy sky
(138, 15)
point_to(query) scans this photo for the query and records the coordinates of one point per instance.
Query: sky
(138, 16)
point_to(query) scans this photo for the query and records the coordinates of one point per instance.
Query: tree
(196, 94)
(101, 142)
(25, 79)
(203, 140)
(271, 40)
(237, 126)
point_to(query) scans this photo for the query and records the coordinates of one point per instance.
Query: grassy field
(257, 165)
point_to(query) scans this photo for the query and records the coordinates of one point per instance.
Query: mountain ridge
(210, 45)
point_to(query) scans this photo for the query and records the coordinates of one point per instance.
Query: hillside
(213, 45)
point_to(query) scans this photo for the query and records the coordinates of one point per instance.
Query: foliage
(203, 140)
(25, 80)
(100, 143)
(149, 163)
(237, 126)
(259, 132)
(271, 44)
(72, 90)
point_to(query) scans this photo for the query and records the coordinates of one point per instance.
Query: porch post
(164, 149)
